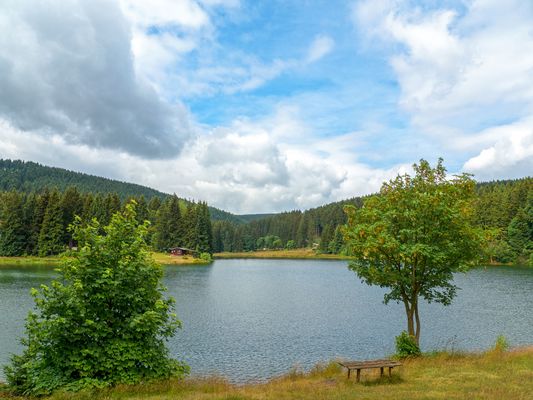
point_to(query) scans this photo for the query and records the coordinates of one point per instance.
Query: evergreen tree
(327, 236)
(112, 205)
(142, 209)
(87, 209)
(190, 235)
(337, 243)
(38, 217)
(30, 206)
(13, 233)
(174, 224)
(71, 205)
(51, 235)
(161, 236)
(204, 235)
(520, 232)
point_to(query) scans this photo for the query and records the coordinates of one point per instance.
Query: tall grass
(492, 375)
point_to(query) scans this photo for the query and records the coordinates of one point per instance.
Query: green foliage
(104, 321)
(270, 242)
(13, 232)
(520, 231)
(51, 236)
(501, 344)
(206, 257)
(291, 244)
(337, 243)
(496, 248)
(27, 176)
(406, 346)
(413, 236)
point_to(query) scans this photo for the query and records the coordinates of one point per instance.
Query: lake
(250, 320)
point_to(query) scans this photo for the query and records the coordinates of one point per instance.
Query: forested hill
(504, 209)
(27, 177)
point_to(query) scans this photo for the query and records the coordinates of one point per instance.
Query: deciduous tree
(104, 321)
(413, 236)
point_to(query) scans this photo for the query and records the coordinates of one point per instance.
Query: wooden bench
(359, 365)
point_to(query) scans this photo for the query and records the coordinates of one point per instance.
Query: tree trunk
(413, 320)
(417, 322)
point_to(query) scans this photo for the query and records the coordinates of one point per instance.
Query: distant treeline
(503, 208)
(27, 177)
(28, 191)
(318, 227)
(36, 223)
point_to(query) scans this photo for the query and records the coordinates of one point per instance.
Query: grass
(30, 260)
(167, 259)
(493, 375)
(161, 258)
(286, 254)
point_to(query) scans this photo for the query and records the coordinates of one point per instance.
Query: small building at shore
(182, 251)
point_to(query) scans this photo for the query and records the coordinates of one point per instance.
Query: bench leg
(390, 372)
(358, 375)
(349, 370)
(381, 372)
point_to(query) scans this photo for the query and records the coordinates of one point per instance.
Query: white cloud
(246, 167)
(511, 154)
(466, 78)
(185, 13)
(321, 46)
(66, 69)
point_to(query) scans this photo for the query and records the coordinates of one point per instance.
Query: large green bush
(104, 321)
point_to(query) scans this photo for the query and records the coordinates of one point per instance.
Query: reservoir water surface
(250, 320)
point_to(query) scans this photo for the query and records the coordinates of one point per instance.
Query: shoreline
(491, 375)
(167, 259)
(160, 258)
(297, 254)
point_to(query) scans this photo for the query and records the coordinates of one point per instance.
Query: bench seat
(369, 364)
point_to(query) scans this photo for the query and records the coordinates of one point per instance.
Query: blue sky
(261, 106)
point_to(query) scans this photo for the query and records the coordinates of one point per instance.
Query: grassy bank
(29, 260)
(161, 258)
(287, 254)
(442, 376)
(167, 259)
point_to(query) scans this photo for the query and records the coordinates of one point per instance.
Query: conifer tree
(337, 243)
(38, 218)
(71, 205)
(51, 234)
(520, 232)
(190, 226)
(327, 236)
(204, 235)
(87, 209)
(13, 233)
(30, 205)
(174, 224)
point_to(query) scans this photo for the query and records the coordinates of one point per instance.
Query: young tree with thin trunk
(412, 237)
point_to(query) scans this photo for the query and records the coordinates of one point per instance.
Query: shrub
(501, 344)
(206, 257)
(406, 346)
(104, 321)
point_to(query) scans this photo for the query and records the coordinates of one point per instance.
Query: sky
(267, 105)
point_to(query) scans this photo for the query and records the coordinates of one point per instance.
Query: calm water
(254, 319)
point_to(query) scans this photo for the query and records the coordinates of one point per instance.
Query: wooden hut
(182, 251)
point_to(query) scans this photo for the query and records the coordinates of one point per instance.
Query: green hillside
(27, 176)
